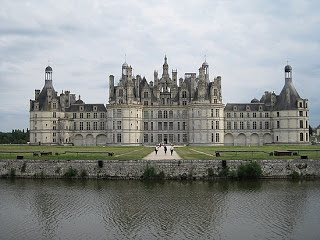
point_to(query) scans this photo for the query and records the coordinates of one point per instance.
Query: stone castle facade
(184, 111)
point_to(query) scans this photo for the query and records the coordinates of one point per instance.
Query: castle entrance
(165, 141)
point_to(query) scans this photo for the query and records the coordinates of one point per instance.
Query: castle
(184, 111)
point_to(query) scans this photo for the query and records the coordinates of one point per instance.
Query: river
(121, 209)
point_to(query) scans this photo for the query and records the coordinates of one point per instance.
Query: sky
(247, 43)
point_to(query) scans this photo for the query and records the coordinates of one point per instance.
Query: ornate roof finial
(79, 97)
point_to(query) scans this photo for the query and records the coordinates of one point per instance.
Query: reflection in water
(98, 209)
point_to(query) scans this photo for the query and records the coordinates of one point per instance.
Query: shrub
(23, 168)
(295, 175)
(151, 173)
(12, 172)
(249, 170)
(224, 172)
(71, 172)
(210, 172)
(83, 173)
(58, 170)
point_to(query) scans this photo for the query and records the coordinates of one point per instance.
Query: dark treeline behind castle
(17, 136)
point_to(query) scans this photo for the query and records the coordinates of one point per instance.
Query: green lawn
(120, 153)
(190, 152)
(136, 153)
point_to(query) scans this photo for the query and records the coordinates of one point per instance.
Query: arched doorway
(267, 138)
(89, 140)
(241, 140)
(254, 139)
(228, 140)
(78, 140)
(101, 140)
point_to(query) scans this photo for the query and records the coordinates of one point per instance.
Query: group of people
(164, 148)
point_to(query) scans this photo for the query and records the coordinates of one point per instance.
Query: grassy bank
(136, 153)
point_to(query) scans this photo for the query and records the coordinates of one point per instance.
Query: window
(241, 126)
(81, 125)
(145, 94)
(145, 126)
(184, 114)
(74, 115)
(170, 114)
(170, 125)
(54, 127)
(278, 114)
(54, 105)
(260, 125)
(241, 115)
(81, 115)
(217, 137)
(95, 115)
(278, 124)
(235, 115)
(307, 124)
(228, 115)
(88, 125)
(95, 125)
(211, 124)
(119, 137)
(165, 114)
(159, 138)
(54, 114)
(145, 138)
(119, 125)
(248, 115)
(145, 114)
(212, 137)
(151, 126)
(235, 125)
(300, 113)
(159, 114)
(301, 136)
(74, 126)
(300, 105)
(307, 137)
(248, 125)
(215, 92)
(146, 103)
(151, 114)
(184, 126)
(228, 125)
(165, 126)
(159, 125)
(266, 115)
(102, 115)
(178, 137)
(178, 125)
(88, 115)
(120, 92)
(184, 103)
(301, 124)
(113, 125)
(101, 125)
(215, 101)
(211, 112)
(266, 125)
(151, 138)
(184, 138)
(184, 94)
(254, 125)
(254, 115)
(217, 125)
(119, 113)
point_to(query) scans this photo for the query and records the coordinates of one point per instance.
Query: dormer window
(247, 108)
(95, 108)
(81, 108)
(234, 108)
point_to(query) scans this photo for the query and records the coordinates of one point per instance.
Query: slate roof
(87, 108)
(287, 100)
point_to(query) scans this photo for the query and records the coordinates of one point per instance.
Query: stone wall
(173, 169)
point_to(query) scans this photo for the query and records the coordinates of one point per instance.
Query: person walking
(165, 149)
(156, 149)
(171, 149)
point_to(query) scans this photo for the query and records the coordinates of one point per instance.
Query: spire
(165, 72)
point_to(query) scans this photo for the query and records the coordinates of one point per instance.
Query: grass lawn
(120, 153)
(207, 152)
(136, 153)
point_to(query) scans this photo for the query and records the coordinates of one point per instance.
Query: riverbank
(170, 169)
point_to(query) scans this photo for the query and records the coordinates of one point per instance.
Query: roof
(87, 107)
(287, 100)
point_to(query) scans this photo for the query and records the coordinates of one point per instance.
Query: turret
(36, 94)
(165, 71)
(174, 76)
(111, 86)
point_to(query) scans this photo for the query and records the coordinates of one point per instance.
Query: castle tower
(165, 72)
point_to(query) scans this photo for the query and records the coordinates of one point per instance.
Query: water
(98, 209)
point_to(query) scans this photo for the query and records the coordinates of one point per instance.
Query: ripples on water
(97, 209)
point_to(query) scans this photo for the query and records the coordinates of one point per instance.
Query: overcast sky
(247, 43)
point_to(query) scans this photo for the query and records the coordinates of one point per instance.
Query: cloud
(247, 43)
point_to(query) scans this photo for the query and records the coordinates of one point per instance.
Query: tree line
(15, 137)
